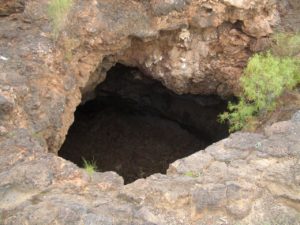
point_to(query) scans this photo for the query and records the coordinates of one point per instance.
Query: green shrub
(264, 80)
(57, 11)
(89, 166)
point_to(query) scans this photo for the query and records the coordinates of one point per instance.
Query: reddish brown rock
(8, 7)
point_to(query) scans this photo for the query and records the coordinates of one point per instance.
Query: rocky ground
(247, 178)
(190, 46)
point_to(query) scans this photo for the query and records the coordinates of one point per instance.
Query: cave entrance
(136, 127)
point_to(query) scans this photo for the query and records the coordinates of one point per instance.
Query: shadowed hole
(136, 127)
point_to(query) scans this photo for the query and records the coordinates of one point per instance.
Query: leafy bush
(264, 80)
(89, 166)
(57, 11)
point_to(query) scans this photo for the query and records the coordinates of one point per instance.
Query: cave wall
(197, 47)
(191, 47)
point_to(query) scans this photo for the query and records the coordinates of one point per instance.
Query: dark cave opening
(136, 127)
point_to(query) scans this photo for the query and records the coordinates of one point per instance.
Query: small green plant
(192, 174)
(265, 78)
(57, 11)
(89, 166)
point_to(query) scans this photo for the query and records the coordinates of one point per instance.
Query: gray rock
(108, 180)
(220, 153)
(6, 105)
(193, 163)
(296, 117)
(211, 197)
(166, 6)
(243, 141)
(275, 148)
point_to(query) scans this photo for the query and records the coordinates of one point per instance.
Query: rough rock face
(245, 179)
(8, 7)
(191, 46)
